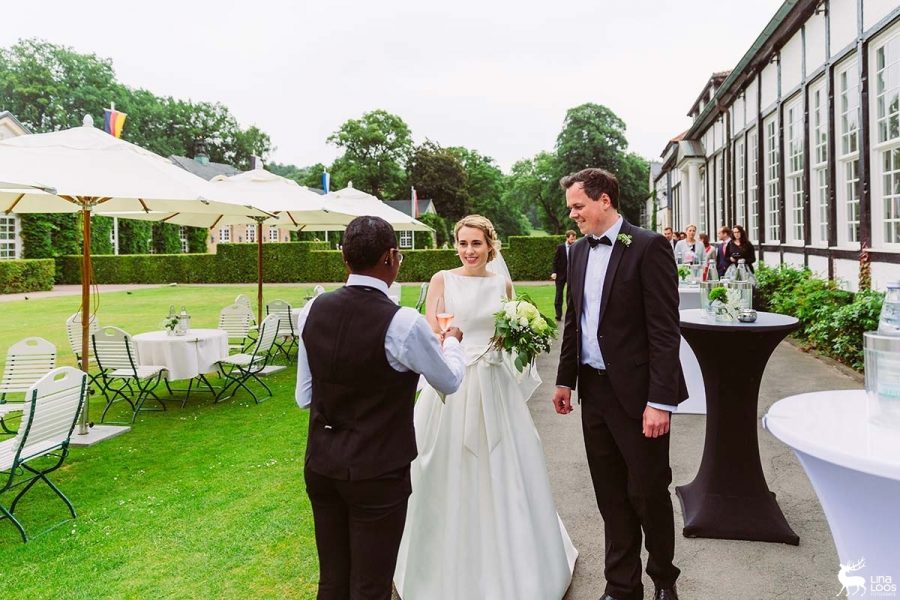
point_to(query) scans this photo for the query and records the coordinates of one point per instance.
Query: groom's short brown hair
(596, 183)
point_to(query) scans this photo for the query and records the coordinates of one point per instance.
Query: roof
(8, 115)
(673, 142)
(426, 206)
(714, 81)
(789, 18)
(206, 171)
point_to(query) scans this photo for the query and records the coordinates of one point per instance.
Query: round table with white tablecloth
(689, 297)
(185, 356)
(853, 462)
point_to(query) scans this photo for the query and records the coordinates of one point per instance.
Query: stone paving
(711, 569)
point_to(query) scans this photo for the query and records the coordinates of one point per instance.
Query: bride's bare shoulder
(437, 278)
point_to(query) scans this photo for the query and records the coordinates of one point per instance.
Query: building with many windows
(800, 142)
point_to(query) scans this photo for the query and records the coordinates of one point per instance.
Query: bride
(481, 521)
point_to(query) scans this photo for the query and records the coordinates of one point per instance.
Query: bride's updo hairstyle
(485, 226)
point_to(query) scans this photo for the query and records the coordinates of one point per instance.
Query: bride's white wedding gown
(481, 523)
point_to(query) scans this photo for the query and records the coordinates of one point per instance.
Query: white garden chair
(73, 333)
(237, 321)
(50, 411)
(285, 339)
(26, 361)
(239, 369)
(394, 292)
(122, 376)
(423, 294)
(244, 300)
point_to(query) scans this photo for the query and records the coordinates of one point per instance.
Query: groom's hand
(562, 400)
(656, 422)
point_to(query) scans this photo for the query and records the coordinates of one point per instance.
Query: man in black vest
(358, 365)
(560, 268)
(620, 347)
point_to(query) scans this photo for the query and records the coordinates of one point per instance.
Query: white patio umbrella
(291, 205)
(89, 171)
(358, 203)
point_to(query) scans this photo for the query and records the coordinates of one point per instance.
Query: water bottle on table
(889, 322)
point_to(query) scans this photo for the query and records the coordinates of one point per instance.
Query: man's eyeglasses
(399, 256)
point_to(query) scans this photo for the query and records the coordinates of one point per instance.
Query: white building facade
(800, 143)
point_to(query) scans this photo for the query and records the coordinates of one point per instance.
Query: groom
(620, 346)
(357, 369)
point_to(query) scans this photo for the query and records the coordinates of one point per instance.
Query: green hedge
(26, 275)
(832, 321)
(529, 258)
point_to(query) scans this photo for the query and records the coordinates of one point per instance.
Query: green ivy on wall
(166, 238)
(134, 236)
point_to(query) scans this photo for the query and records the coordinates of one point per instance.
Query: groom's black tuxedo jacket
(639, 333)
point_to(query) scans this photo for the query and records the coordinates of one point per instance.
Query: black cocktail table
(729, 498)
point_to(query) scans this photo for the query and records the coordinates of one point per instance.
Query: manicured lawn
(201, 502)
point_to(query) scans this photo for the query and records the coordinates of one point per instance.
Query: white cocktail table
(854, 466)
(689, 298)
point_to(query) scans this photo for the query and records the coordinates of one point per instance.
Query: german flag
(113, 122)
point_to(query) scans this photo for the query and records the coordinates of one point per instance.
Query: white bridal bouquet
(522, 330)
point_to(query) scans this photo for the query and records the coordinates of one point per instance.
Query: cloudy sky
(496, 76)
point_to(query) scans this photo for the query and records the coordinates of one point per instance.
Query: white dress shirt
(409, 345)
(594, 276)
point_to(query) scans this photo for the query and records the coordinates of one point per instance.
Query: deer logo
(854, 582)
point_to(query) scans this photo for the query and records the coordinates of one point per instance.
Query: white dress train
(481, 522)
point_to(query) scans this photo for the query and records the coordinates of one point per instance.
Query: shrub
(531, 258)
(831, 320)
(26, 275)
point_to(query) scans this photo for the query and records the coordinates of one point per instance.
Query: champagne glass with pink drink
(444, 318)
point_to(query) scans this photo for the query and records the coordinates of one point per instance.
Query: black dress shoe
(667, 593)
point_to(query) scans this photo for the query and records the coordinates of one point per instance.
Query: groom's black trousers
(358, 529)
(631, 477)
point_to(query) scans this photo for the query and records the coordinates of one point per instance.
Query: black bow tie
(593, 241)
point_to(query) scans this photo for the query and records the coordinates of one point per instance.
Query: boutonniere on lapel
(624, 238)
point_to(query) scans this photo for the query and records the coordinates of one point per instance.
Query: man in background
(560, 268)
(670, 237)
(722, 263)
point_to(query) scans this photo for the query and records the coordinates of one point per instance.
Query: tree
(376, 148)
(485, 187)
(534, 183)
(310, 177)
(438, 174)
(592, 136)
(634, 185)
(50, 87)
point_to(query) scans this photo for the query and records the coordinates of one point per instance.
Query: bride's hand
(452, 332)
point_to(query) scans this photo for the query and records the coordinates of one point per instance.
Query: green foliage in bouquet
(719, 293)
(522, 330)
(683, 272)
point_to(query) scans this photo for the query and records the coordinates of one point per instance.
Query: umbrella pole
(259, 271)
(85, 308)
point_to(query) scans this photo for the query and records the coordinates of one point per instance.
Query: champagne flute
(443, 317)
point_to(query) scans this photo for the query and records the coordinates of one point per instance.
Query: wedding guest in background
(721, 254)
(560, 268)
(740, 247)
(690, 247)
(708, 252)
(670, 237)
(681, 235)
